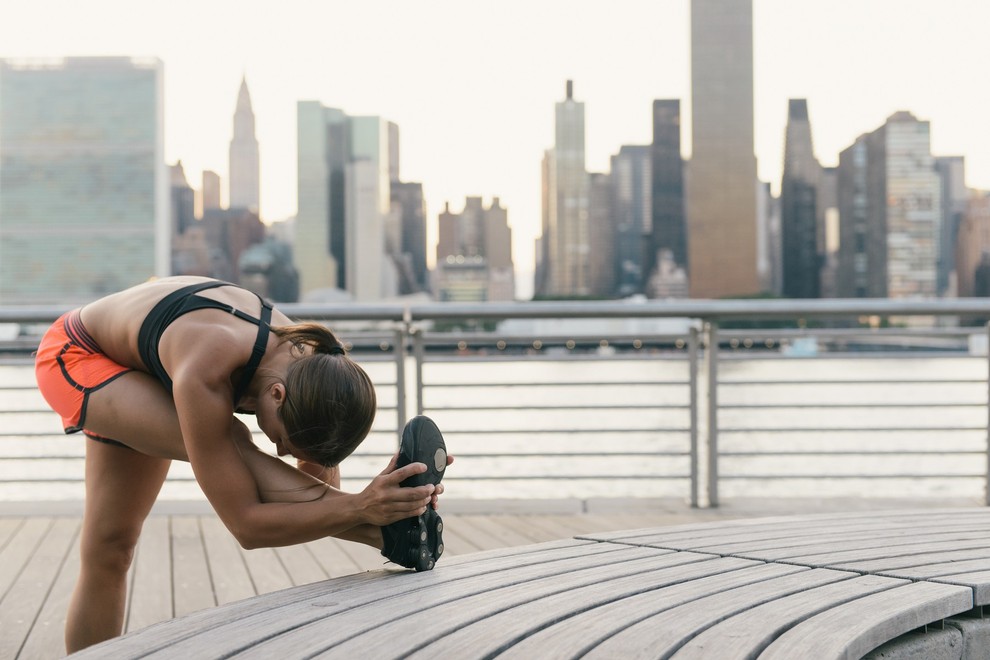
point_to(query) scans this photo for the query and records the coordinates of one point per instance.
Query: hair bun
(336, 350)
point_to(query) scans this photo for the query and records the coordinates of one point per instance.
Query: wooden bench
(824, 586)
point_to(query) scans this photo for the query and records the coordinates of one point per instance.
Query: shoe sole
(422, 442)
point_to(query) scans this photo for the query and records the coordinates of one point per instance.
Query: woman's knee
(110, 545)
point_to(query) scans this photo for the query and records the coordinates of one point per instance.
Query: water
(793, 427)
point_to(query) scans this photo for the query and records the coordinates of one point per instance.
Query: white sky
(472, 84)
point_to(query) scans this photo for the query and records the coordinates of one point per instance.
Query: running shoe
(417, 542)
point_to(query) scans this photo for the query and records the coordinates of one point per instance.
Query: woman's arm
(211, 434)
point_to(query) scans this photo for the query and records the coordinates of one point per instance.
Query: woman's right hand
(384, 501)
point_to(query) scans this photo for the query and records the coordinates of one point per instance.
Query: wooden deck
(187, 562)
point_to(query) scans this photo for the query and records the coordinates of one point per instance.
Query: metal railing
(690, 411)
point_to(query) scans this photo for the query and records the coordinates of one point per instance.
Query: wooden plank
(844, 554)
(659, 634)
(430, 614)
(978, 581)
(853, 629)
(940, 568)
(266, 570)
(484, 532)
(191, 584)
(15, 556)
(568, 628)
(884, 564)
(332, 558)
(265, 617)
(8, 528)
(26, 596)
(301, 565)
(785, 526)
(231, 581)
(810, 538)
(745, 635)
(47, 636)
(151, 583)
(528, 629)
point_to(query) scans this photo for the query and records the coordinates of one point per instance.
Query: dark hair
(330, 401)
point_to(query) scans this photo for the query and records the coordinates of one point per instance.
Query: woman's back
(115, 321)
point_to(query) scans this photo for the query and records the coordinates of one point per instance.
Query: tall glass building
(890, 209)
(722, 181)
(344, 196)
(84, 190)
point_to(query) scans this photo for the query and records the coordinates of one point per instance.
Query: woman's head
(329, 404)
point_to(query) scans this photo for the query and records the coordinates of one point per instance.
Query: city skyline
(478, 123)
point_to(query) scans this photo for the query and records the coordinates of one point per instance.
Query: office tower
(210, 193)
(244, 166)
(541, 249)
(474, 253)
(344, 200)
(828, 203)
(183, 200)
(721, 182)
(669, 230)
(84, 190)
(890, 212)
(603, 236)
(631, 217)
(973, 247)
(802, 228)
(568, 248)
(767, 237)
(955, 196)
(409, 207)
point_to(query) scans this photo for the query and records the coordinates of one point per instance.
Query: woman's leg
(121, 410)
(121, 486)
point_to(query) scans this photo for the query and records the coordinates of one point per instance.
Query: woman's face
(270, 422)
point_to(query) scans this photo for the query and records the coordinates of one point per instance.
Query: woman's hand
(384, 501)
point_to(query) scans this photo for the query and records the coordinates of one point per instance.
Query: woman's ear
(277, 392)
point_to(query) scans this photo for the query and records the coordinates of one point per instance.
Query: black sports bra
(184, 300)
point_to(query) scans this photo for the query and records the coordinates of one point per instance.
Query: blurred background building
(84, 191)
(474, 254)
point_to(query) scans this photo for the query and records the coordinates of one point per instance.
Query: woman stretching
(154, 373)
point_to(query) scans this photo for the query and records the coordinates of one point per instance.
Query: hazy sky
(472, 84)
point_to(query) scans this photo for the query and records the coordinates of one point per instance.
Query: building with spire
(244, 176)
(802, 222)
(722, 181)
(568, 246)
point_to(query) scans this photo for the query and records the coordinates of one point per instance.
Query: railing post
(711, 354)
(418, 353)
(400, 379)
(986, 484)
(693, 344)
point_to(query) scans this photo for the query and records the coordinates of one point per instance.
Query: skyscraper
(244, 166)
(210, 193)
(568, 245)
(721, 184)
(669, 231)
(955, 195)
(84, 189)
(890, 212)
(409, 206)
(631, 217)
(474, 253)
(801, 222)
(344, 200)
